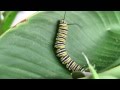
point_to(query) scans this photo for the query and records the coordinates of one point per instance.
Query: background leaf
(113, 73)
(26, 51)
(9, 17)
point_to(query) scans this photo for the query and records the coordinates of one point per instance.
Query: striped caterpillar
(61, 50)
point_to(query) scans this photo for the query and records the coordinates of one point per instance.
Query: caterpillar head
(63, 24)
(63, 21)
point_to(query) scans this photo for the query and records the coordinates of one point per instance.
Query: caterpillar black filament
(61, 50)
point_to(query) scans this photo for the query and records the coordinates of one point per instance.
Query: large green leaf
(27, 51)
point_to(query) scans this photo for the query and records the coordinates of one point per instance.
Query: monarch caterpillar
(61, 50)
